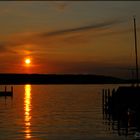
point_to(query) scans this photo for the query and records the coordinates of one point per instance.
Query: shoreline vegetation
(60, 79)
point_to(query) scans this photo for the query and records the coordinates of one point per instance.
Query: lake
(56, 112)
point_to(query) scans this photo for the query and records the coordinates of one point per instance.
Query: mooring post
(5, 88)
(113, 91)
(12, 89)
(108, 93)
(103, 102)
(103, 96)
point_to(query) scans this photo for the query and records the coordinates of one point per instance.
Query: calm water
(55, 112)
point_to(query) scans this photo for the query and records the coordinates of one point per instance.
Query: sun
(27, 61)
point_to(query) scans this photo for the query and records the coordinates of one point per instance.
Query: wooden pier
(7, 92)
(121, 110)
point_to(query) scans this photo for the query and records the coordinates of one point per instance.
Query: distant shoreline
(59, 79)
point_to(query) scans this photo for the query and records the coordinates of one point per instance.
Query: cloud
(5, 49)
(13, 47)
(81, 29)
(17, 43)
(3, 46)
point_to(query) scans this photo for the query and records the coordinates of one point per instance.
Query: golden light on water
(27, 111)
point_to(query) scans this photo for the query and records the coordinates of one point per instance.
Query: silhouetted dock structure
(121, 107)
(7, 92)
(121, 110)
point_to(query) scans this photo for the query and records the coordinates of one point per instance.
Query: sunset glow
(74, 37)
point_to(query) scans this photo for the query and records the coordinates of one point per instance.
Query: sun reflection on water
(27, 109)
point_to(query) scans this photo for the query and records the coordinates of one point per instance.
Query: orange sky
(68, 37)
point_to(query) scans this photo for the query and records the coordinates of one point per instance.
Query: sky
(68, 37)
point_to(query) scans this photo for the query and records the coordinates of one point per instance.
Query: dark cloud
(3, 46)
(11, 47)
(6, 47)
(81, 29)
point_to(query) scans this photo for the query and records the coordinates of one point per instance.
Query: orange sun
(27, 61)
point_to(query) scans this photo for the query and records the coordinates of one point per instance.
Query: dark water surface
(55, 112)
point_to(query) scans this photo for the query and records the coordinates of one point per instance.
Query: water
(55, 112)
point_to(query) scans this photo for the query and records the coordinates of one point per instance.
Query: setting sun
(27, 61)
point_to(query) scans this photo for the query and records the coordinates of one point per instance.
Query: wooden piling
(108, 93)
(12, 89)
(103, 102)
(105, 95)
(113, 91)
(5, 88)
(6, 92)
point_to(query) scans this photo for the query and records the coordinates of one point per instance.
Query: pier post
(103, 96)
(12, 89)
(5, 88)
(106, 104)
(108, 93)
(103, 102)
(113, 91)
